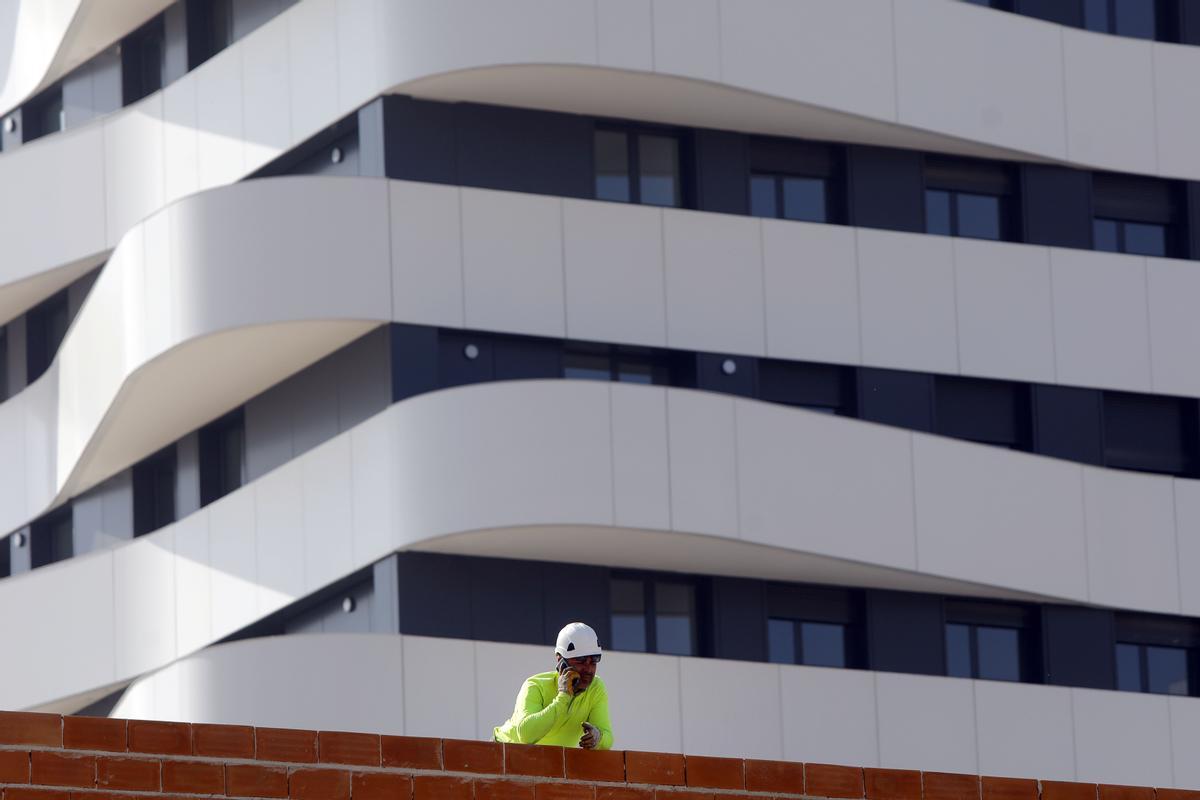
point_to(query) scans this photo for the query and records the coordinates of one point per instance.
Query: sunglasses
(584, 660)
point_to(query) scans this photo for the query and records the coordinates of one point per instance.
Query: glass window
(937, 212)
(1145, 239)
(1095, 15)
(781, 641)
(804, 199)
(958, 651)
(674, 609)
(222, 457)
(1129, 668)
(612, 166)
(587, 366)
(142, 61)
(978, 216)
(999, 653)
(154, 492)
(1134, 18)
(762, 196)
(1105, 234)
(823, 644)
(45, 328)
(52, 538)
(658, 162)
(1166, 670)
(628, 615)
(629, 371)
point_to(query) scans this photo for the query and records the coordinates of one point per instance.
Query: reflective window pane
(762, 196)
(804, 199)
(628, 615)
(674, 605)
(635, 372)
(958, 651)
(586, 366)
(781, 641)
(1095, 15)
(1129, 668)
(823, 644)
(1167, 670)
(659, 164)
(1145, 240)
(999, 653)
(612, 166)
(978, 216)
(1134, 18)
(937, 212)
(1104, 235)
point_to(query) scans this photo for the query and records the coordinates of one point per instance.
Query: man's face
(586, 667)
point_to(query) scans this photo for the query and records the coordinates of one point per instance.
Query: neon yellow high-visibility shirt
(544, 716)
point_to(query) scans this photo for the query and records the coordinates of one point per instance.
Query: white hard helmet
(576, 640)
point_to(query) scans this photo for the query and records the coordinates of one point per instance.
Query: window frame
(975, 614)
(1150, 630)
(650, 582)
(974, 177)
(633, 132)
(801, 603)
(214, 483)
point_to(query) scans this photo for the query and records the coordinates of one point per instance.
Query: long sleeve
(599, 717)
(530, 721)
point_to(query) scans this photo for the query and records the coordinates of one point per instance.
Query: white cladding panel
(429, 666)
(927, 721)
(312, 50)
(718, 721)
(134, 178)
(1185, 732)
(1173, 287)
(1122, 737)
(687, 38)
(625, 34)
(1187, 526)
(144, 601)
(181, 136)
(1176, 108)
(234, 563)
(641, 460)
(1025, 730)
(328, 507)
(265, 69)
(703, 463)
(220, 118)
(279, 537)
(829, 716)
(427, 259)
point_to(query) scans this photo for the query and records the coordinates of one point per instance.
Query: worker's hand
(566, 682)
(591, 737)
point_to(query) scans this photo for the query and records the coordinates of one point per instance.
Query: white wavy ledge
(615, 474)
(757, 65)
(874, 719)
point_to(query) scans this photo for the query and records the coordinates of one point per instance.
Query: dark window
(1143, 19)
(817, 387)
(637, 167)
(46, 325)
(999, 5)
(655, 615)
(788, 197)
(967, 198)
(51, 538)
(993, 412)
(222, 457)
(43, 115)
(602, 362)
(6, 556)
(818, 644)
(813, 625)
(1132, 214)
(1149, 433)
(1156, 654)
(988, 641)
(794, 180)
(209, 29)
(154, 492)
(142, 61)
(3, 363)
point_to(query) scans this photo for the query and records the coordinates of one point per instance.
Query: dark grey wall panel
(15, 337)
(363, 378)
(524, 151)
(385, 605)
(1064, 12)
(93, 89)
(506, 600)
(20, 556)
(420, 143)
(905, 633)
(886, 188)
(526, 359)
(314, 405)
(1067, 423)
(738, 619)
(250, 14)
(575, 593)
(103, 516)
(1079, 645)
(11, 140)
(268, 432)
(414, 354)
(896, 398)
(334, 615)
(371, 138)
(175, 61)
(1192, 214)
(187, 475)
(722, 172)
(78, 291)
(433, 598)
(1056, 206)
(1189, 22)
(711, 375)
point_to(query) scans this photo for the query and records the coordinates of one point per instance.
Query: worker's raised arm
(530, 721)
(598, 716)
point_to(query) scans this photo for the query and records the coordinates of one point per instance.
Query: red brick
(411, 752)
(284, 744)
(1178, 794)
(892, 784)
(1068, 790)
(380, 786)
(828, 780)
(1009, 788)
(226, 741)
(193, 777)
(950, 786)
(706, 772)
(112, 796)
(319, 784)
(661, 769)
(774, 776)
(623, 793)
(1109, 792)
(139, 774)
(20, 793)
(62, 769)
(21, 727)
(463, 756)
(501, 790)
(564, 791)
(680, 794)
(14, 766)
(94, 733)
(168, 738)
(595, 765)
(255, 780)
(348, 748)
(532, 759)
(441, 787)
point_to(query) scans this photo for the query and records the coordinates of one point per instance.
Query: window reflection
(781, 641)
(1145, 239)
(612, 166)
(659, 165)
(674, 618)
(762, 196)
(1166, 670)
(999, 653)
(804, 199)
(978, 216)
(958, 651)
(823, 644)
(937, 212)
(628, 615)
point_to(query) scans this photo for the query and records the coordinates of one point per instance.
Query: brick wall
(48, 757)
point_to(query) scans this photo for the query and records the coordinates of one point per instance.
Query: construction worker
(567, 707)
